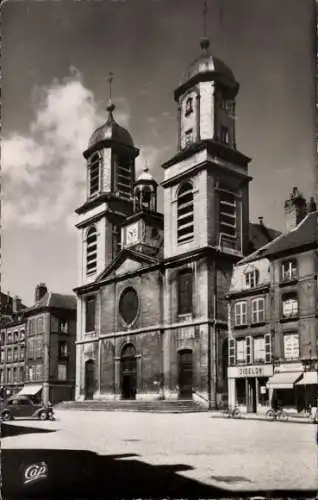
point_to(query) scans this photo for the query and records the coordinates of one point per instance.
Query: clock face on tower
(132, 234)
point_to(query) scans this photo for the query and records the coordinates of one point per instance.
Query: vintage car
(23, 406)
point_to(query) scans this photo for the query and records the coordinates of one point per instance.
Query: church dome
(112, 131)
(207, 64)
(145, 176)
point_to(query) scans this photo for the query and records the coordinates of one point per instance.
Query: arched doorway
(128, 375)
(89, 379)
(185, 374)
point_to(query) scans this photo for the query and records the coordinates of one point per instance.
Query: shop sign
(250, 371)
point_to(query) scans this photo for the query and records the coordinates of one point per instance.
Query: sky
(56, 55)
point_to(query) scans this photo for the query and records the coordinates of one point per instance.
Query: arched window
(94, 174)
(185, 219)
(91, 251)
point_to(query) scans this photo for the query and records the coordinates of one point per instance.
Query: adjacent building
(50, 346)
(12, 345)
(273, 325)
(151, 295)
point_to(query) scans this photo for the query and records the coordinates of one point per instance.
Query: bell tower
(206, 215)
(110, 158)
(143, 231)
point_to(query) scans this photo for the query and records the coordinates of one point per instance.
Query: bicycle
(313, 417)
(232, 412)
(279, 414)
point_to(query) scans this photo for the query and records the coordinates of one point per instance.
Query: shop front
(248, 387)
(307, 390)
(282, 386)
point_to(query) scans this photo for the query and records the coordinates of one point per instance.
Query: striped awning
(284, 380)
(309, 378)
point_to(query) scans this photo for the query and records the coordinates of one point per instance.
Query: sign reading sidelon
(250, 371)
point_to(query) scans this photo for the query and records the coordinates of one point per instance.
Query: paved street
(231, 454)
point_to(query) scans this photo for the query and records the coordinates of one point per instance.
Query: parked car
(25, 407)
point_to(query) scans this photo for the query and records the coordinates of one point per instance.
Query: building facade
(12, 348)
(50, 346)
(151, 306)
(273, 325)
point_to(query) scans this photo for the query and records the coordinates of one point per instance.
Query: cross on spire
(204, 15)
(110, 105)
(109, 81)
(205, 43)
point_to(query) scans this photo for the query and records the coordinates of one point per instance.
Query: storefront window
(240, 391)
(263, 392)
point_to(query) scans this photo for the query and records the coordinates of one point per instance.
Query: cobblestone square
(236, 455)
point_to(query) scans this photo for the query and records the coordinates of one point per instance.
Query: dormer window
(251, 278)
(289, 270)
(94, 174)
(189, 106)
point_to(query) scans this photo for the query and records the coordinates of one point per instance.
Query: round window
(128, 305)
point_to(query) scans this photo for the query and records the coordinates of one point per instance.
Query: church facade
(151, 296)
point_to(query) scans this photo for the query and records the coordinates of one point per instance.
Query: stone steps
(164, 406)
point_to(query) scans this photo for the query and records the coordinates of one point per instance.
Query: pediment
(126, 262)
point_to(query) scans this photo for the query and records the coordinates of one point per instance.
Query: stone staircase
(159, 406)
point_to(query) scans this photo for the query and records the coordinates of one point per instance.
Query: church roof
(206, 65)
(112, 131)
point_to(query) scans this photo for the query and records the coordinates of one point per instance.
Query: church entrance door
(89, 379)
(185, 375)
(128, 377)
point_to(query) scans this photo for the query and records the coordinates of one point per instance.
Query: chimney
(295, 209)
(261, 221)
(16, 305)
(40, 291)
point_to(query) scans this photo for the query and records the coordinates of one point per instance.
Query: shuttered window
(240, 313)
(94, 167)
(232, 353)
(91, 251)
(249, 350)
(268, 347)
(185, 220)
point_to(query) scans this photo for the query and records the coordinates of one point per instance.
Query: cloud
(43, 171)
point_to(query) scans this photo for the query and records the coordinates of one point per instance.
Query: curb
(291, 420)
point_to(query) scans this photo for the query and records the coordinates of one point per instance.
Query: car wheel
(6, 416)
(43, 415)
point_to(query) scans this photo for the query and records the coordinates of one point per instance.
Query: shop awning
(309, 378)
(284, 380)
(30, 390)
